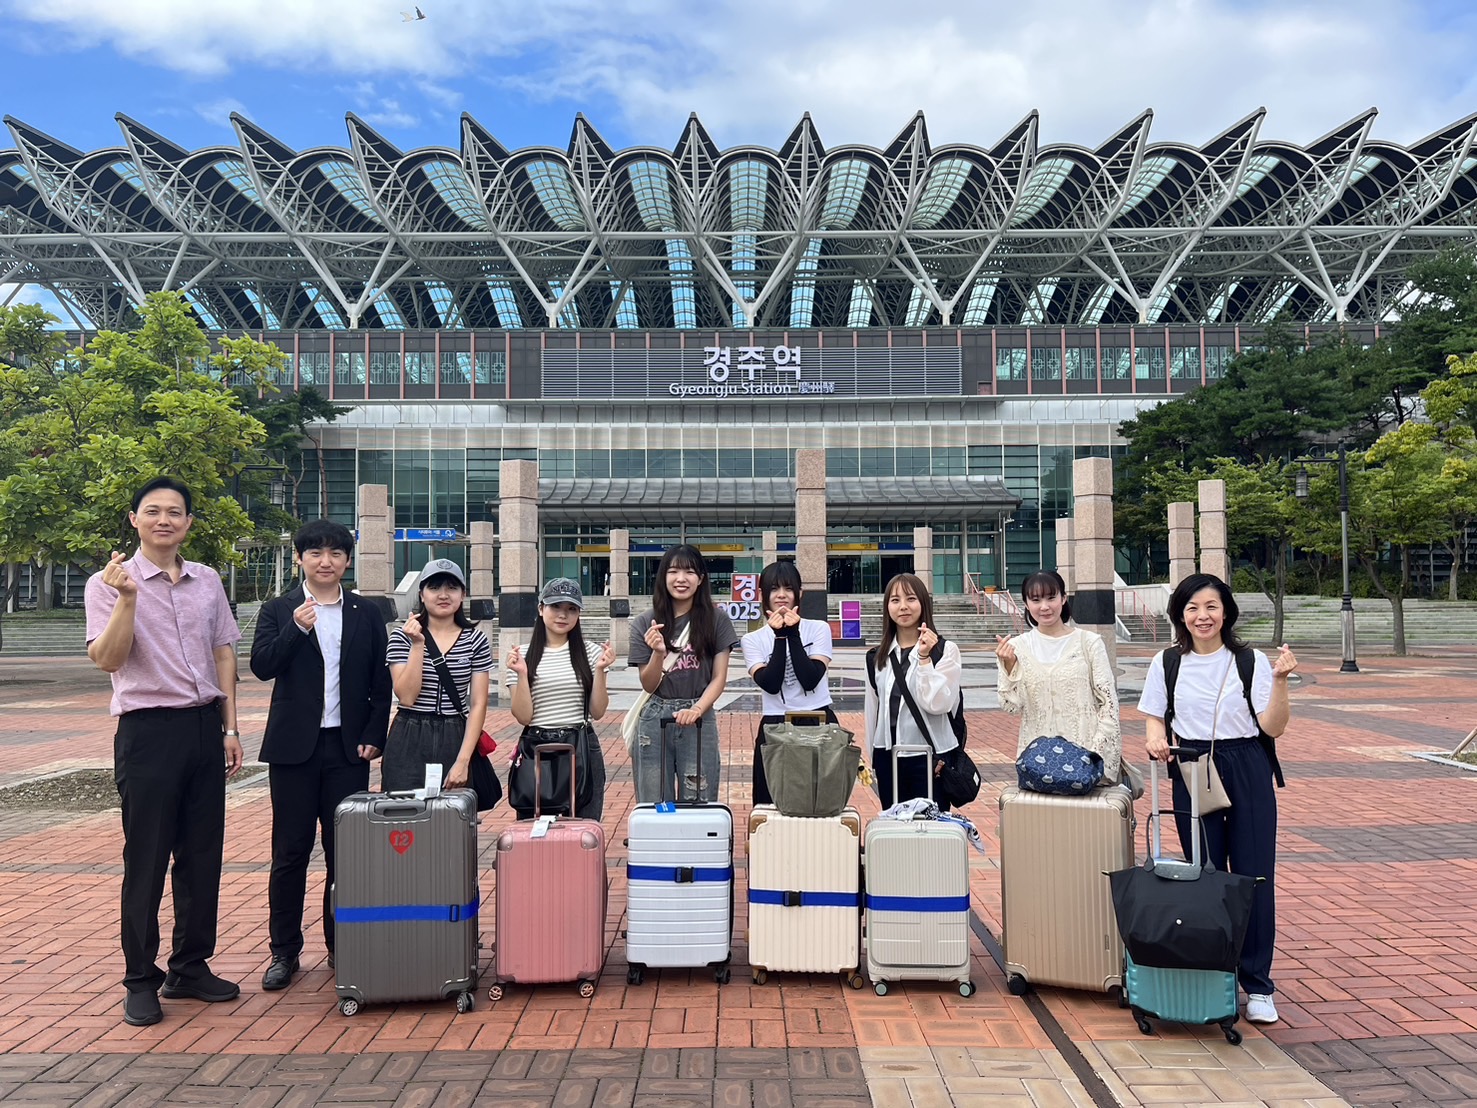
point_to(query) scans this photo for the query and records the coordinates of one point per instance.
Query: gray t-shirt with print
(689, 675)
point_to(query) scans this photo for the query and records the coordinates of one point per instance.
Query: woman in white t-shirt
(787, 658)
(1056, 677)
(559, 687)
(1211, 712)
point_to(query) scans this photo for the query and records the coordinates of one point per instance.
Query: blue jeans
(656, 769)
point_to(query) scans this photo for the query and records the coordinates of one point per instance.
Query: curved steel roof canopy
(906, 235)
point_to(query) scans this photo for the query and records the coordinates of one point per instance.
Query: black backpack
(1246, 668)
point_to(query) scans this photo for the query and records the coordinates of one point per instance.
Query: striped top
(471, 653)
(558, 699)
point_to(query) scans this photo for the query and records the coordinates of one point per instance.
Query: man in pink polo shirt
(163, 628)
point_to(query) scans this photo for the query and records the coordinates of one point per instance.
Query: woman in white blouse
(1057, 678)
(911, 667)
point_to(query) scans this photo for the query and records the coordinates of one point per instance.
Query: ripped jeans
(654, 774)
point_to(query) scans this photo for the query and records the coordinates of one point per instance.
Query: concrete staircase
(62, 633)
(1315, 621)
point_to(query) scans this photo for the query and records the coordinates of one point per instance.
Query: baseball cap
(561, 590)
(441, 567)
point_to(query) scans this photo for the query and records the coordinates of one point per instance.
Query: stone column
(770, 543)
(810, 531)
(1093, 606)
(374, 554)
(620, 590)
(1213, 557)
(923, 555)
(518, 576)
(1066, 562)
(481, 584)
(1181, 541)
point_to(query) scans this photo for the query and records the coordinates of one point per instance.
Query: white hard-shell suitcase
(804, 894)
(679, 871)
(917, 900)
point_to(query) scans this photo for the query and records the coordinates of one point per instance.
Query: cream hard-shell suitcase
(1059, 926)
(804, 894)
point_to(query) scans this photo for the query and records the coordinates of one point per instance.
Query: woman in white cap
(433, 725)
(559, 687)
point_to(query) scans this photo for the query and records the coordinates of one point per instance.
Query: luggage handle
(1157, 814)
(698, 802)
(553, 748)
(806, 719)
(896, 750)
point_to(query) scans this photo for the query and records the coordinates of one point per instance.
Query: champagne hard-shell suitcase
(679, 873)
(405, 898)
(1059, 926)
(804, 894)
(917, 899)
(550, 898)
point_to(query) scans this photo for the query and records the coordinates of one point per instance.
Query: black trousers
(761, 782)
(304, 799)
(1241, 839)
(170, 767)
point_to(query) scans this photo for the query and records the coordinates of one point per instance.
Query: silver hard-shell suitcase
(679, 871)
(405, 898)
(917, 898)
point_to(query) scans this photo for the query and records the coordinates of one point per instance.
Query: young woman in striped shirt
(428, 728)
(559, 687)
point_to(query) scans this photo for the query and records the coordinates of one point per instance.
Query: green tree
(79, 439)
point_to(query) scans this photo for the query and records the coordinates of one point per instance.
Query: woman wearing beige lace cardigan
(1057, 678)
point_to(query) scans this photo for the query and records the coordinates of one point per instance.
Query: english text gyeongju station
(662, 329)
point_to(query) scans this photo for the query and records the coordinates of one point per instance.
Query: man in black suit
(325, 648)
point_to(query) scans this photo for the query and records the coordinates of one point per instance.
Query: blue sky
(636, 68)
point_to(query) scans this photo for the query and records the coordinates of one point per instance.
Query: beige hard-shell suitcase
(1055, 852)
(805, 894)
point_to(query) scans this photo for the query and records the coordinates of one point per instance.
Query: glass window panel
(348, 367)
(699, 463)
(1184, 363)
(878, 461)
(1216, 358)
(628, 463)
(948, 461)
(664, 463)
(913, 461)
(1010, 365)
(449, 489)
(384, 367)
(985, 461)
(592, 463)
(1046, 363)
(556, 463)
(844, 461)
(1081, 364)
(1148, 362)
(735, 463)
(1116, 363)
(454, 368)
(773, 462)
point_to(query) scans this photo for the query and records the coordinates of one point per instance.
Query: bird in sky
(411, 17)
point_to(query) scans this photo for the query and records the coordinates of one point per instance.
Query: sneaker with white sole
(1260, 1009)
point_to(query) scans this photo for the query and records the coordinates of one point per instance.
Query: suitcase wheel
(348, 1006)
(880, 988)
(494, 993)
(1017, 985)
(722, 975)
(465, 1003)
(1148, 1028)
(1232, 1035)
(760, 977)
(587, 988)
(854, 979)
(966, 988)
(635, 975)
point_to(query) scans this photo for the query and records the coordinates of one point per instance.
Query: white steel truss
(260, 236)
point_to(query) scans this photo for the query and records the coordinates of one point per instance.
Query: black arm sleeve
(808, 672)
(771, 676)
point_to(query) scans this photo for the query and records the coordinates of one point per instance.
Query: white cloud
(219, 111)
(750, 68)
(390, 114)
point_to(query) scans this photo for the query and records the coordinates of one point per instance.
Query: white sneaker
(1260, 1009)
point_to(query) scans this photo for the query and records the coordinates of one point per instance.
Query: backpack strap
(1246, 667)
(872, 668)
(956, 717)
(1171, 658)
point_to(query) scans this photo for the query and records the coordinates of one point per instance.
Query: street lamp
(1346, 608)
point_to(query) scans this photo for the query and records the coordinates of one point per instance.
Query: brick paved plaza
(1376, 963)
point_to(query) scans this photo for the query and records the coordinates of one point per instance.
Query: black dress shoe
(207, 987)
(279, 974)
(330, 959)
(141, 1008)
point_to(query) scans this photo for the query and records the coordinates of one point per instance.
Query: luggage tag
(541, 827)
(433, 782)
(666, 806)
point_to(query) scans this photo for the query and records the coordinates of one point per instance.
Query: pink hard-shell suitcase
(550, 898)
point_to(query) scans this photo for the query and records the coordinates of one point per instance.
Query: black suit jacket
(280, 652)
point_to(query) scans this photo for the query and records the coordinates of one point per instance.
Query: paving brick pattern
(1376, 967)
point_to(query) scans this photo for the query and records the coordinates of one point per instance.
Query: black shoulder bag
(956, 779)
(481, 776)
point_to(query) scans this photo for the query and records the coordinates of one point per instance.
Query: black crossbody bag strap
(900, 686)
(443, 671)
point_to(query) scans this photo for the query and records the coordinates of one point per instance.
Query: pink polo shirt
(176, 628)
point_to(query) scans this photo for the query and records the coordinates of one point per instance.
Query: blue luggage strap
(408, 913)
(680, 875)
(790, 898)
(918, 903)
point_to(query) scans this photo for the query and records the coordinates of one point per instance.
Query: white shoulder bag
(632, 723)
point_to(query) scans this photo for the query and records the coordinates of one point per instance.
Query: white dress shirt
(330, 628)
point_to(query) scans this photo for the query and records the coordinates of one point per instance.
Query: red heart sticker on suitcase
(401, 840)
